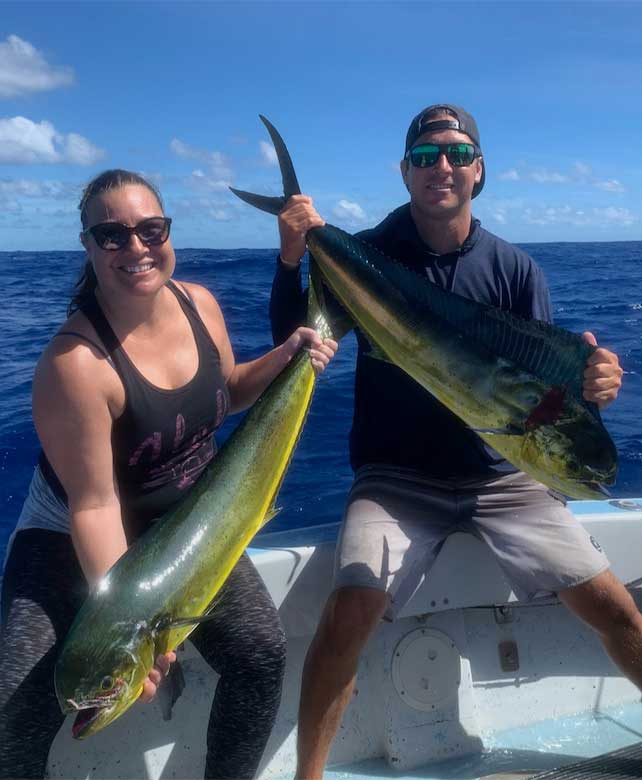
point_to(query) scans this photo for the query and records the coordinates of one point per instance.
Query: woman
(126, 399)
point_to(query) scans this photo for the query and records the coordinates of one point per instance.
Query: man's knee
(604, 603)
(350, 617)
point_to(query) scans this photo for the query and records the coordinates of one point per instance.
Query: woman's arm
(249, 380)
(246, 381)
(74, 394)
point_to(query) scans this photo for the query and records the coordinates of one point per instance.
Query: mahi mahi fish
(516, 382)
(165, 584)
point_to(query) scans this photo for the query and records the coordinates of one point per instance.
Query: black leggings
(44, 587)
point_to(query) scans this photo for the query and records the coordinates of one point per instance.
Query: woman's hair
(107, 180)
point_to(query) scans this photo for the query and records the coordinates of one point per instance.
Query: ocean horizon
(595, 286)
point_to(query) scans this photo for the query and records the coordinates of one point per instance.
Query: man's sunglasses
(113, 236)
(458, 155)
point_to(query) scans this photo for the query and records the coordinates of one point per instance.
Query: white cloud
(543, 176)
(23, 141)
(582, 169)
(201, 181)
(565, 215)
(611, 185)
(204, 207)
(23, 69)
(216, 162)
(499, 216)
(32, 188)
(619, 216)
(79, 151)
(220, 215)
(268, 153)
(348, 210)
(580, 173)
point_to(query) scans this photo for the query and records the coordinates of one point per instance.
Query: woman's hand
(249, 380)
(602, 375)
(295, 219)
(321, 350)
(156, 675)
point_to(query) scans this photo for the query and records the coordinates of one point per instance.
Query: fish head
(100, 674)
(576, 451)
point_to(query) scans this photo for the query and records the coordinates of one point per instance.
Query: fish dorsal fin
(551, 353)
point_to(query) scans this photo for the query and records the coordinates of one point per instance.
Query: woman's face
(136, 269)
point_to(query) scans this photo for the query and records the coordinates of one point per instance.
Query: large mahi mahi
(145, 604)
(515, 382)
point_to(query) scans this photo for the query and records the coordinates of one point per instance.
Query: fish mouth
(90, 710)
(84, 720)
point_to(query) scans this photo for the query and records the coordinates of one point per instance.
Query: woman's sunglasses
(458, 155)
(113, 236)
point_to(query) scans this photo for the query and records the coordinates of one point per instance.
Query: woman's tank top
(165, 438)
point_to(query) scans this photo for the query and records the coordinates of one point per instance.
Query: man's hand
(156, 675)
(602, 375)
(295, 219)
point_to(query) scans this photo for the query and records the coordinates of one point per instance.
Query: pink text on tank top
(187, 465)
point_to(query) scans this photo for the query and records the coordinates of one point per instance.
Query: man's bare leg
(349, 618)
(606, 605)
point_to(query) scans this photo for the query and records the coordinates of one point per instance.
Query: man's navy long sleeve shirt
(396, 422)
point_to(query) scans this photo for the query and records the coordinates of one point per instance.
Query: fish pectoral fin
(272, 512)
(168, 623)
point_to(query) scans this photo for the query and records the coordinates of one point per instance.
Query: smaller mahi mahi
(152, 597)
(517, 383)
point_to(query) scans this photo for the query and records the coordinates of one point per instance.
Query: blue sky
(173, 89)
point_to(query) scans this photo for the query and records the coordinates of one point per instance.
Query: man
(420, 472)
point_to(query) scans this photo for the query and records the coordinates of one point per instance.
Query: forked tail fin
(290, 184)
(328, 327)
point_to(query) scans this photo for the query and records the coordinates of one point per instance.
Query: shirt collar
(408, 232)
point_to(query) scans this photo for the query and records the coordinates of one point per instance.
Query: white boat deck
(522, 752)
(467, 684)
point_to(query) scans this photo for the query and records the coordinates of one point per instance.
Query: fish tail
(318, 318)
(290, 184)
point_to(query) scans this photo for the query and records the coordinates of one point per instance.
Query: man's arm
(288, 302)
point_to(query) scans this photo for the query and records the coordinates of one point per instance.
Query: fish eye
(106, 683)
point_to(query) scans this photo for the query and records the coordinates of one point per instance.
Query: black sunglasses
(113, 236)
(459, 155)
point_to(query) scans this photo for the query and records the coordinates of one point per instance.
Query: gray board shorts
(396, 522)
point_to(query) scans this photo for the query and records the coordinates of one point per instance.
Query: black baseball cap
(460, 120)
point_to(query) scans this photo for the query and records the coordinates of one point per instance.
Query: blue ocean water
(594, 287)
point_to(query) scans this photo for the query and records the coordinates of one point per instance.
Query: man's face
(442, 191)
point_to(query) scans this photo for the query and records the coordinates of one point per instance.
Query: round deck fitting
(426, 668)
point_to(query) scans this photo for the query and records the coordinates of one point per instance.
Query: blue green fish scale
(550, 353)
